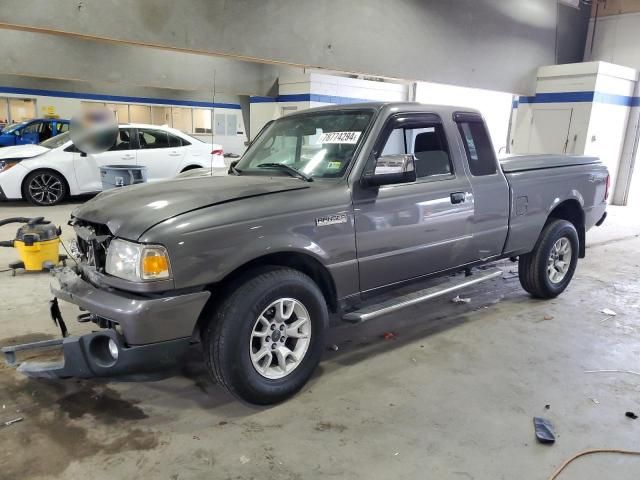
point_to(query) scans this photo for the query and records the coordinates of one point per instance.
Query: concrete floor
(451, 397)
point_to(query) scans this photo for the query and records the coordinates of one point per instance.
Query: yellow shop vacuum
(37, 243)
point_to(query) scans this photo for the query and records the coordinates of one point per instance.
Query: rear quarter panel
(535, 193)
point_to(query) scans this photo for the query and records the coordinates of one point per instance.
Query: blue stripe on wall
(116, 98)
(308, 97)
(580, 97)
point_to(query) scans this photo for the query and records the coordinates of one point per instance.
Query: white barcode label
(340, 137)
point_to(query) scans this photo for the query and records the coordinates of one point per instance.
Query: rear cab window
(477, 144)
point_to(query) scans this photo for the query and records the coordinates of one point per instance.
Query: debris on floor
(548, 317)
(244, 459)
(544, 430)
(11, 422)
(547, 407)
(631, 415)
(389, 336)
(333, 348)
(608, 311)
(458, 299)
(595, 401)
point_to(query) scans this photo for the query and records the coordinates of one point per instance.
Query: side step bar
(378, 309)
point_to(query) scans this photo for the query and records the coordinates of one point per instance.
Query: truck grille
(93, 241)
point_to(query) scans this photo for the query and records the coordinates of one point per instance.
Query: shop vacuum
(37, 243)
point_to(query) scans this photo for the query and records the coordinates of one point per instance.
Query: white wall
(316, 90)
(616, 40)
(494, 106)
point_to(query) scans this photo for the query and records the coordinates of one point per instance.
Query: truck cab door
(490, 187)
(408, 230)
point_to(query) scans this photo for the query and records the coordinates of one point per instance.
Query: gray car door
(412, 229)
(490, 187)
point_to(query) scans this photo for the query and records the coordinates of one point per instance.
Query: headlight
(7, 164)
(136, 262)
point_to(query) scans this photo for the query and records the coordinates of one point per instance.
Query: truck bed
(540, 183)
(521, 163)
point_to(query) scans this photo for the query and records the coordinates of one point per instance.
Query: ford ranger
(327, 208)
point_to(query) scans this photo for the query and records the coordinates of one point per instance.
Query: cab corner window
(480, 154)
(428, 145)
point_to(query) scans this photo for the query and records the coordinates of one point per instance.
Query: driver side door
(407, 230)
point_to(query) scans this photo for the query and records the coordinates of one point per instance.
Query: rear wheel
(548, 269)
(45, 187)
(265, 340)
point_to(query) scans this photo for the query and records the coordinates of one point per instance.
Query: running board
(378, 309)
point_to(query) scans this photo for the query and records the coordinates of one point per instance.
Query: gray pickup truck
(328, 208)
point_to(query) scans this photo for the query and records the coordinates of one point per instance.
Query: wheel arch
(571, 210)
(44, 169)
(302, 262)
(191, 166)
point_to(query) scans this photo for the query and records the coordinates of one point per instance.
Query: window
(61, 127)
(123, 141)
(161, 115)
(427, 143)
(319, 144)
(480, 154)
(139, 114)
(121, 110)
(152, 139)
(232, 124)
(175, 141)
(202, 120)
(21, 109)
(35, 127)
(181, 119)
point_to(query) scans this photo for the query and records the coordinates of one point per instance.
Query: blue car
(32, 131)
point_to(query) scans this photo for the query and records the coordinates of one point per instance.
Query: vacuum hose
(30, 221)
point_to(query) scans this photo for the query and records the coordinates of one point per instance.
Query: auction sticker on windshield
(340, 137)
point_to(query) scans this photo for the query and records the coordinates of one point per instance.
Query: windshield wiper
(294, 172)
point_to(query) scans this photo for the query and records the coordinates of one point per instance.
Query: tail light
(217, 151)
(606, 191)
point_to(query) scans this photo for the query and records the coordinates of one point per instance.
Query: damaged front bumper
(146, 333)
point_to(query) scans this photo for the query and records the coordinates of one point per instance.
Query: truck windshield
(320, 145)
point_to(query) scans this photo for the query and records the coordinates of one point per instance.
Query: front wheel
(548, 269)
(265, 340)
(45, 187)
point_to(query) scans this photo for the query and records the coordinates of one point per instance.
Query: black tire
(533, 266)
(227, 336)
(45, 188)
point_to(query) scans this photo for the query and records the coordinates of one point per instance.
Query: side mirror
(392, 169)
(83, 154)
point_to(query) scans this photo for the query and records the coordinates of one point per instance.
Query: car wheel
(45, 187)
(266, 338)
(548, 269)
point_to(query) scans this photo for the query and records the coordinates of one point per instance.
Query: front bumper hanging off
(152, 333)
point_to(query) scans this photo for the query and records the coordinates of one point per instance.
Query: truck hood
(128, 212)
(22, 151)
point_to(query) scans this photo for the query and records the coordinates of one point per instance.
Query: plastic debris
(608, 311)
(458, 299)
(544, 430)
(548, 317)
(11, 422)
(631, 415)
(244, 459)
(334, 348)
(595, 401)
(389, 336)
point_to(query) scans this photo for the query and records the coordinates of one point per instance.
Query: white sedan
(45, 174)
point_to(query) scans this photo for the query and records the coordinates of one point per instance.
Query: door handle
(127, 157)
(174, 154)
(458, 197)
